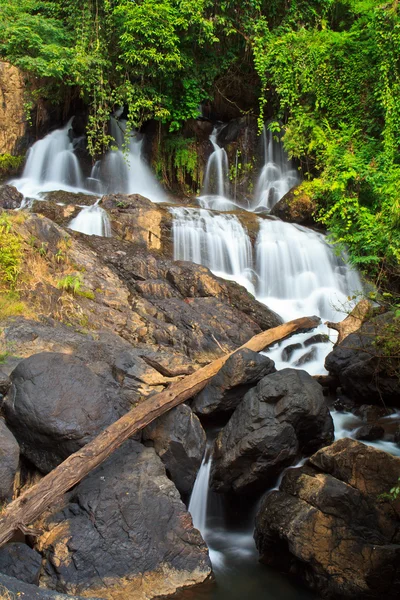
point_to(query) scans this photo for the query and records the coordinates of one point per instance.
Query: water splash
(92, 220)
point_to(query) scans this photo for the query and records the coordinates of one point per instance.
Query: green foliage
(179, 156)
(10, 254)
(9, 165)
(73, 285)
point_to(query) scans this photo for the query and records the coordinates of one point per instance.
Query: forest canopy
(327, 70)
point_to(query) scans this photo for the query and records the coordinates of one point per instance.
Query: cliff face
(13, 123)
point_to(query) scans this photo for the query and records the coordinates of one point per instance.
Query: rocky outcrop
(283, 417)
(55, 406)
(20, 561)
(330, 524)
(296, 207)
(9, 460)
(180, 441)
(10, 197)
(18, 589)
(124, 533)
(224, 392)
(364, 373)
(12, 109)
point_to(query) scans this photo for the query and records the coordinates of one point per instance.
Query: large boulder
(124, 534)
(296, 206)
(20, 561)
(12, 588)
(227, 388)
(282, 418)
(55, 406)
(9, 460)
(331, 523)
(10, 197)
(360, 365)
(180, 442)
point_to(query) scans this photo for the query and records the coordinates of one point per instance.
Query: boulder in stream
(283, 418)
(331, 523)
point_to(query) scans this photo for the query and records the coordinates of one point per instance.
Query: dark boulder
(10, 197)
(20, 561)
(55, 406)
(364, 373)
(370, 433)
(25, 591)
(288, 351)
(282, 418)
(331, 524)
(226, 389)
(9, 460)
(124, 534)
(5, 383)
(295, 207)
(180, 441)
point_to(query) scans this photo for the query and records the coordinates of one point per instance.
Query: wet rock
(70, 198)
(25, 591)
(329, 523)
(55, 406)
(371, 413)
(9, 460)
(295, 207)
(180, 441)
(363, 374)
(288, 351)
(319, 338)
(125, 533)
(60, 214)
(283, 417)
(226, 389)
(10, 197)
(370, 433)
(307, 357)
(20, 561)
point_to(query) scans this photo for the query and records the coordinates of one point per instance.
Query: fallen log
(353, 321)
(32, 503)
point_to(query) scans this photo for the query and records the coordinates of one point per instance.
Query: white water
(277, 176)
(92, 220)
(52, 165)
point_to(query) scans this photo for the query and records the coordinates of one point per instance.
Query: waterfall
(198, 499)
(218, 242)
(92, 220)
(277, 176)
(53, 165)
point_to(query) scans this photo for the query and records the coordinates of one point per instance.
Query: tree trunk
(32, 503)
(353, 321)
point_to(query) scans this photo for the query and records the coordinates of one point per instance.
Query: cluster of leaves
(336, 78)
(9, 165)
(10, 254)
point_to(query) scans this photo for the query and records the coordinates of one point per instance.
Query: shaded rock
(295, 207)
(5, 383)
(180, 441)
(55, 406)
(319, 338)
(283, 416)
(26, 591)
(20, 561)
(9, 460)
(60, 214)
(363, 373)
(226, 389)
(329, 524)
(70, 198)
(128, 532)
(201, 128)
(10, 197)
(370, 433)
(288, 351)
(307, 357)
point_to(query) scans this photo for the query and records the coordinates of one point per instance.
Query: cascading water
(92, 220)
(52, 165)
(277, 176)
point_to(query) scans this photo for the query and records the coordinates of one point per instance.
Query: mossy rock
(297, 206)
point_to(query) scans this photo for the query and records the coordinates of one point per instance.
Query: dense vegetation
(328, 70)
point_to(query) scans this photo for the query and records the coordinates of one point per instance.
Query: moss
(10, 165)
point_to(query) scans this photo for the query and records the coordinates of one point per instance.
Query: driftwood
(32, 503)
(353, 321)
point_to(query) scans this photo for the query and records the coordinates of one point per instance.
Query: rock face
(361, 372)
(10, 197)
(9, 459)
(25, 591)
(56, 405)
(124, 534)
(20, 561)
(283, 417)
(12, 112)
(295, 207)
(179, 441)
(329, 523)
(224, 392)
